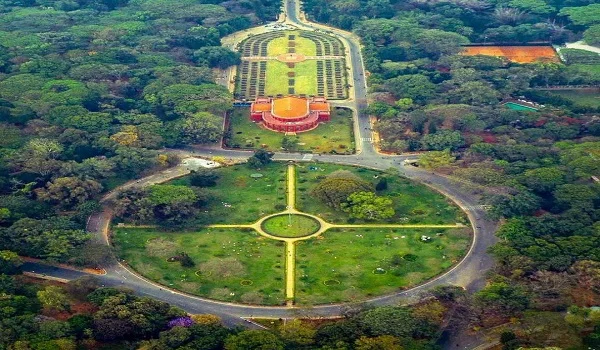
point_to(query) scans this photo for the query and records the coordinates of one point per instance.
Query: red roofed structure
(290, 114)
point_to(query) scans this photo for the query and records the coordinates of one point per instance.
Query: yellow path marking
(290, 270)
(291, 187)
(290, 245)
(394, 226)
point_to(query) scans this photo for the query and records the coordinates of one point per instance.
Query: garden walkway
(290, 242)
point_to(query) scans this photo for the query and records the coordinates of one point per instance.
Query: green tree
(338, 186)
(217, 56)
(583, 15)
(395, 321)
(201, 127)
(382, 342)
(260, 158)
(289, 143)
(296, 333)
(436, 159)
(543, 179)
(53, 297)
(442, 140)
(416, 87)
(368, 206)
(503, 296)
(69, 191)
(143, 317)
(438, 43)
(475, 93)
(9, 262)
(522, 203)
(538, 7)
(253, 340)
(576, 195)
(204, 178)
(592, 35)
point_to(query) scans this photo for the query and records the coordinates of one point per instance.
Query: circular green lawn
(290, 226)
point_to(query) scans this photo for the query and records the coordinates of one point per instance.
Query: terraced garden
(292, 63)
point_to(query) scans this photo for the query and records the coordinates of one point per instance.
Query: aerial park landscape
(270, 175)
(417, 245)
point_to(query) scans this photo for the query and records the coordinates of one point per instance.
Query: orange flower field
(518, 54)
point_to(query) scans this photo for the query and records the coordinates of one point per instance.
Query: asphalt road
(469, 273)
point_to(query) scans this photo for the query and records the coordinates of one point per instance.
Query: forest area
(90, 92)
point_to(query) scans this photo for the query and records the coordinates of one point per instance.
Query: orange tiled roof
(290, 107)
(319, 106)
(261, 107)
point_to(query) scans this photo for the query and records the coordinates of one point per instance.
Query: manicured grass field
(341, 265)
(239, 198)
(305, 78)
(291, 225)
(334, 136)
(303, 46)
(583, 98)
(230, 265)
(413, 202)
(592, 70)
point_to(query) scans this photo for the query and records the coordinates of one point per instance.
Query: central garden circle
(290, 225)
(325, 256)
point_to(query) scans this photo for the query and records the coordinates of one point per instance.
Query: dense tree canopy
(337, 187)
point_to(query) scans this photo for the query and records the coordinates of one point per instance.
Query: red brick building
(290, 114)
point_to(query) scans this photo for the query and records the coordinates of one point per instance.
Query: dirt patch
(220, 293)
(518, 54)
(160, 247)
(252, 298)
(223, 268)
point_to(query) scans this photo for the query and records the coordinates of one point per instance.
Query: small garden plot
(228, 265)
(413, 203)
(354, 264)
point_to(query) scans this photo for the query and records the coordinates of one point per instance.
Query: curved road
(469, 273)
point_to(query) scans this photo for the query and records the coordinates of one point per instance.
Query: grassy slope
(580, 98)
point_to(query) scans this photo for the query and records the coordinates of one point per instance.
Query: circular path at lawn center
(290, 225)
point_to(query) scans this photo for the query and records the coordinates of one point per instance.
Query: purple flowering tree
(184, 321)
